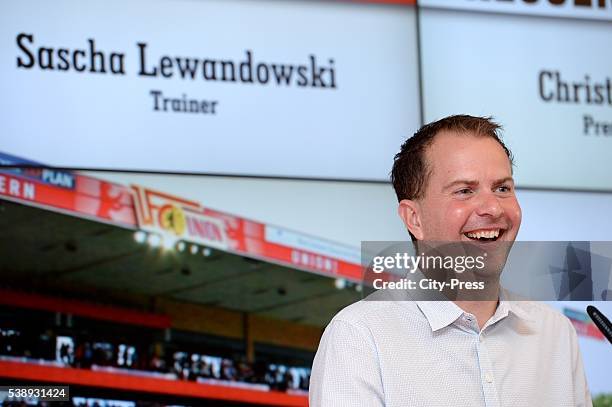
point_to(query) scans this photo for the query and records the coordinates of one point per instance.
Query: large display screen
(542, 69)
(271, 88)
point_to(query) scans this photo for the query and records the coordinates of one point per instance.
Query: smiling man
(453, 180)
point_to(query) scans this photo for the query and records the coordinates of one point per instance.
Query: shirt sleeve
(345, 370)
(582, 395)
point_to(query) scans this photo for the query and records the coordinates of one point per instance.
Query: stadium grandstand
(135, 297)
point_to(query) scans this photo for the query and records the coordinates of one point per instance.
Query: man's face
(469, 194)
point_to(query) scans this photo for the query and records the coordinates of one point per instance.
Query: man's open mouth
(485, 235)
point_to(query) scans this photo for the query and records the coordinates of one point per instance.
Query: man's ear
(410, 213)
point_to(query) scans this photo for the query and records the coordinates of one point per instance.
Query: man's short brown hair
(410, 168)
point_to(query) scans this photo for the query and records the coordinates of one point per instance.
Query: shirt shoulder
(543, 312)
(547, 319)
(377, 305)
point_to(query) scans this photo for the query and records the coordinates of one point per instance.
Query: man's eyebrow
(460, 182)
(504, 180)
(475, 183)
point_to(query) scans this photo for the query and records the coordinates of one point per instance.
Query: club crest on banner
(178, 219)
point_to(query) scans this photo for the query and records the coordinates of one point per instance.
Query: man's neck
(482, 310)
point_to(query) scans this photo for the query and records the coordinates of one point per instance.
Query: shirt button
(489, 377)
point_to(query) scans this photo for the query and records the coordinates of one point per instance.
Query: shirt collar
(514, 304)
(516, 308)
(441, 314)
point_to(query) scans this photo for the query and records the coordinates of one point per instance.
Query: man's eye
(464, 191)
(504, 188)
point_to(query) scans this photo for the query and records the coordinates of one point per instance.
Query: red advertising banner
(87, 197)
(173, 218)
(179, 219)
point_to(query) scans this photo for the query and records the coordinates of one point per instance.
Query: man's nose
(489, 205)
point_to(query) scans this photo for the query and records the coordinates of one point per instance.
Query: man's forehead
(465, 144)
(466, 155)
(461, 138)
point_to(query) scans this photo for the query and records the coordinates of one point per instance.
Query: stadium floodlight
(340, 283)
(180, 246)
(140, 236)
(206, 252)
(168, 242)
(193, 249)
(154, 240)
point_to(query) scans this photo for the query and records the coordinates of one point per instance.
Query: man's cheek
(459, 208)
(457, 215)
(513, 211)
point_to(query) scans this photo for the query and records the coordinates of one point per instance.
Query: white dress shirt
(432, 353)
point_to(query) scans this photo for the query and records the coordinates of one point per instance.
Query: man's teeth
(488, 234)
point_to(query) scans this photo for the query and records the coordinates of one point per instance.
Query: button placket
(486, 374)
